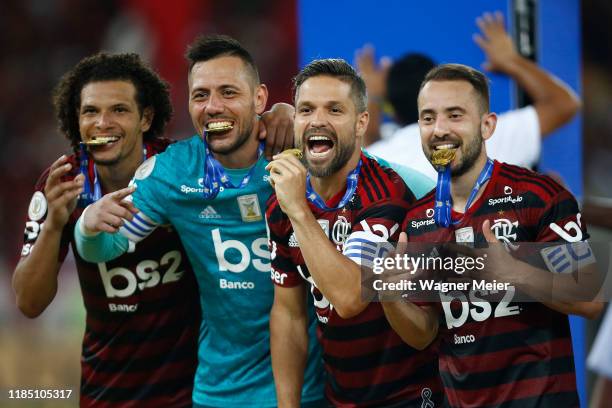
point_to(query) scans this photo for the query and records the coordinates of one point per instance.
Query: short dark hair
(403, 85)
(207, 47)
(339, 69)
(459, 72)
(151, 91)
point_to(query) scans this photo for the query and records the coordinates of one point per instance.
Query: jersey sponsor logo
(429, 212)
(209, 212)
(145, 169)
(114, 307)
(567, 258)
(278, 277)
(228, 284)
(190, 190)
(32, 229)
(422, 223)
(121, 282)
(505, 231)
(474, 306)
(341, 230)
(27, 249)
(507, 190)
(571, 231)
(259, 248)
(38, 206)
(504, 200)
(249, 208)
(464, 339)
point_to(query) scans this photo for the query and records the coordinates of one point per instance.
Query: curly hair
(151, 91)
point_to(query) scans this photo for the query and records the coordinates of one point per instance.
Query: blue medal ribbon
(215, 176)
(91, 195)
(444, 201)
(351, 185)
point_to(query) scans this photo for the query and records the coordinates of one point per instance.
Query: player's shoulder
(173, 157)
(158, 144)
(186, 149)
(520, 180)
(380, 182)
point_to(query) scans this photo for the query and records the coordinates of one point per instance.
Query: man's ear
(487, 125)
(261, 98)
(361, 126)
(147, 119)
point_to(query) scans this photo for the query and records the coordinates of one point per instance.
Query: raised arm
(553, 100)
(375, 76)
(35, 277)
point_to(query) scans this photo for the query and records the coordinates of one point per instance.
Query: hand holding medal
(289, 152)
(288, 178)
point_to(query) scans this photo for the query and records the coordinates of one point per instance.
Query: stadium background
(40, 40)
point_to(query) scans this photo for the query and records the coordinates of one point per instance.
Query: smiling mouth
(219, 126)
(101, 140)
(319, 146)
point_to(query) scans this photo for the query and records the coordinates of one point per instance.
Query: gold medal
(443, 157)
(99, 141)
(296, 152)
(216, 127)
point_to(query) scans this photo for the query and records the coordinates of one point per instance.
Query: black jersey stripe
(378, 175)
(529, 180)
(119, 394)
(507, 341)
(367, 361)
(555, 400)
(374, 393)
(511, 373)
(376, 195)
(520, 171)
(356, 331)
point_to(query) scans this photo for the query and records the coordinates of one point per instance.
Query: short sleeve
(152, 180)
(520, 127)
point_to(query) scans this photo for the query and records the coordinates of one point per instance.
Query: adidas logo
(293, 242)
(209, 212)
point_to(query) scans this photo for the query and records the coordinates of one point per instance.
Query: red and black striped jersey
(368, 364)
(142, 314)
(505, 353)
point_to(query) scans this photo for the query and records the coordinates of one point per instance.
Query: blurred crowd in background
(42, 39)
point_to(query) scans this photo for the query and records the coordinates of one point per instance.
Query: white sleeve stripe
(136, 230)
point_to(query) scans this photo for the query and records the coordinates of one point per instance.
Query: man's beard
(242, 138)
(469, 155)
(106, 162)
(342, 156)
